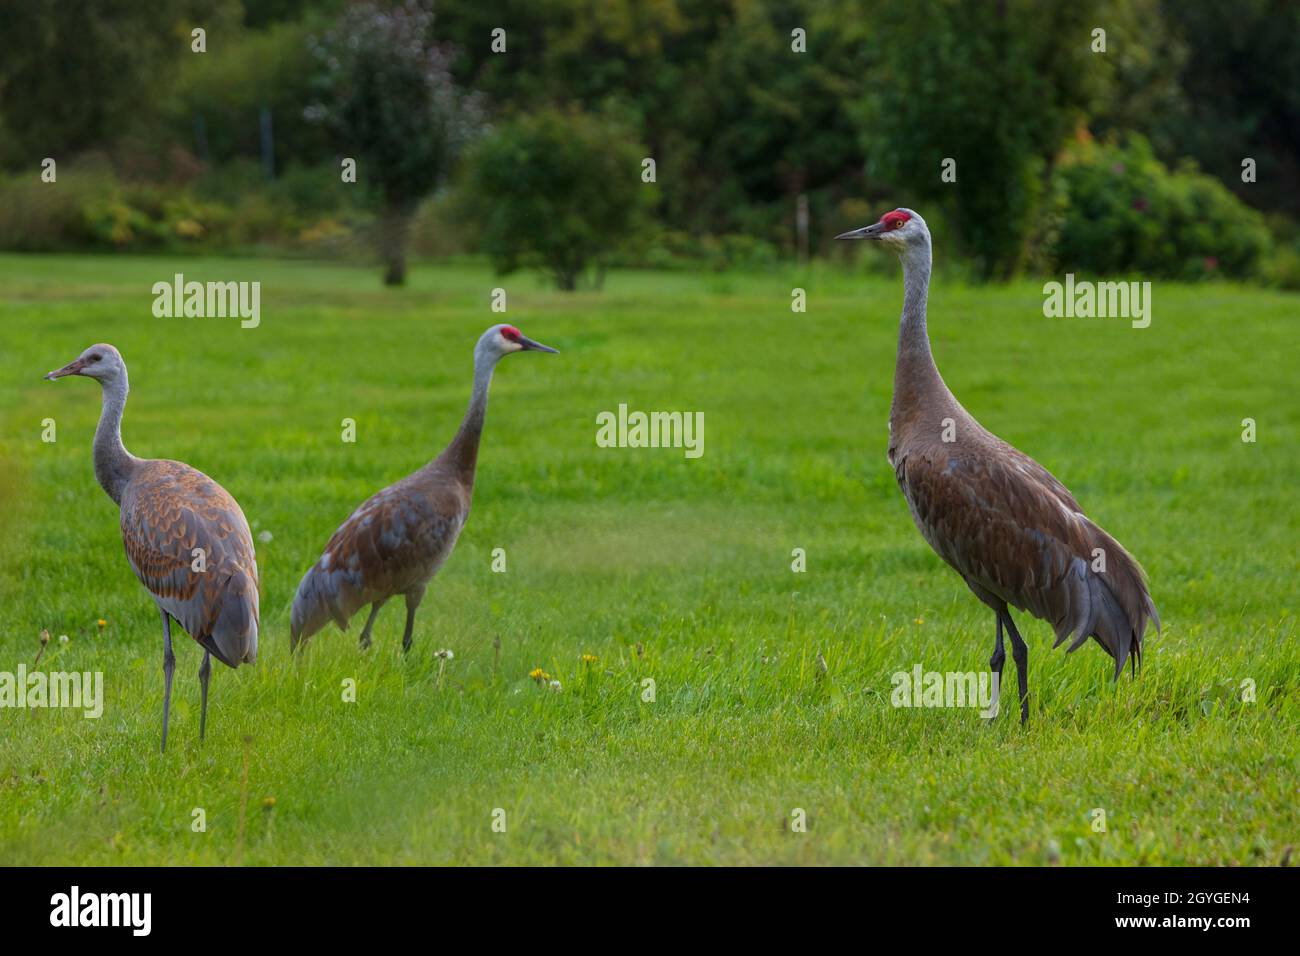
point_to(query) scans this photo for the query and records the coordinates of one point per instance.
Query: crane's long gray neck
(113, 463)
(463, 450)
(916, 377)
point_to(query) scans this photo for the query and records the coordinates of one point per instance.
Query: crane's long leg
(370, 622)
(1019, 653)
(995, 665)
(169, 667)
(413, 599)
(205, 671)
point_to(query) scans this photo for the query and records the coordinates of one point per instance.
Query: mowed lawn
(662, 568)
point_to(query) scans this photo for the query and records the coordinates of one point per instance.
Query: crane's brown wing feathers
(169, 510)
(392, 544)
(1018, 536)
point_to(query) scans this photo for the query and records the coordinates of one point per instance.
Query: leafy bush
(89, 207)
(1283, 269)
(672, 249)
(37, 216)
(1125, 211)
(556, 190)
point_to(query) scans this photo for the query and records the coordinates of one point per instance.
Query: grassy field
(661, 567)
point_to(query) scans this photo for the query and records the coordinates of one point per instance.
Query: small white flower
(63, 638)
(264, 536)
(555, 686)
(445, 654)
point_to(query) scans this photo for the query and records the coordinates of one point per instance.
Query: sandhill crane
(185, 538)
(1011, 530)
(396, 541)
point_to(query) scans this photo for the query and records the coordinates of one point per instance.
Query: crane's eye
(96, 357)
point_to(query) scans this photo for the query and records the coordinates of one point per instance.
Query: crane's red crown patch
(510, 332)
(892, 220)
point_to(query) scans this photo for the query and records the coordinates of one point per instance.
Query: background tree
(74, 77)
(997, 86)
(558, 190)
(387, 92)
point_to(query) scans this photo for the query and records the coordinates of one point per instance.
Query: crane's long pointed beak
(72, 368)
(872, 231)
(531, 346)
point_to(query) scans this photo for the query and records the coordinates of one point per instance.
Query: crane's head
(901, 229)
(102, 362)
(503, 339)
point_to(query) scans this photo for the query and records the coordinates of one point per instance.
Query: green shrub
(36, 216)
(557, 190)
(1283, 269)
(1124, 211)
(89, 208)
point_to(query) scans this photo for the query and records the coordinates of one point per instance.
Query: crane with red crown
(1014, 533)
(398, 539)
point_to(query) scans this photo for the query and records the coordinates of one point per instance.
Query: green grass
(664, 568)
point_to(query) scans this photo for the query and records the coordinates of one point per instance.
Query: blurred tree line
(751, 110)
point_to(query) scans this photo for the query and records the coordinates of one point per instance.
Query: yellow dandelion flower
(589, 658)
(539, 675)
(102, 623)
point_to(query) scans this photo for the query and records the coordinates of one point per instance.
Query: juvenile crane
(396, 541)
(185, 538)
(1011, 530)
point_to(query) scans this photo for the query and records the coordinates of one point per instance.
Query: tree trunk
(394, 233)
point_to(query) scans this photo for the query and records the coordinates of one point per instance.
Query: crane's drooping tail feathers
(314, 606)
(1111, 605)
(233, 639)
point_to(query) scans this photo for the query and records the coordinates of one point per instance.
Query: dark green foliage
(750, 108)
(996, 87)
(1127, 212)
(75, 76)
(1242, 96)
(556, 190)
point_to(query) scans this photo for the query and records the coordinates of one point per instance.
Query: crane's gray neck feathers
(114, 465)
(916, 377)
(462, 453)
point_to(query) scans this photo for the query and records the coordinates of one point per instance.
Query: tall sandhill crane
(185, 538)
(396, 541)
(1011, 530)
